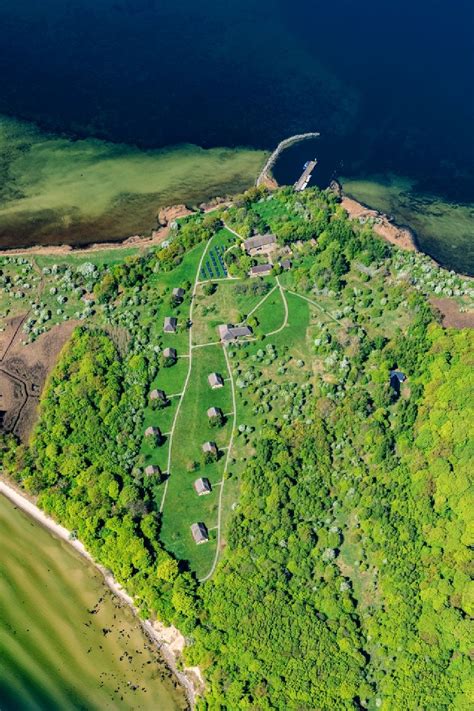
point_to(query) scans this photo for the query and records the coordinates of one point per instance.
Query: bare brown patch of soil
(23, 373)
(451, 316)
(11, 333)
(168, 214)
(400, 236)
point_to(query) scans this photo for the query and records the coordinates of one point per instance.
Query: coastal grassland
(182, 505)
(56, 190)
(50, 638)
(444, 229)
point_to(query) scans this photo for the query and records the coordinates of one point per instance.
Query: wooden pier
(302, 182)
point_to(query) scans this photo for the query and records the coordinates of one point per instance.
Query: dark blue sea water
(388, 84)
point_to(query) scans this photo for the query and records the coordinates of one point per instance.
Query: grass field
(183, 506)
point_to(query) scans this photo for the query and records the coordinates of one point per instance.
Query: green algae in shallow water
(444, 230)
(54, 190)
(55, 654)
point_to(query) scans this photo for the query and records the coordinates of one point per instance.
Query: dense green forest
(345, 582)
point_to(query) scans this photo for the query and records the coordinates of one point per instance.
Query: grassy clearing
(227, 305)
(183, 506)
(271, 313)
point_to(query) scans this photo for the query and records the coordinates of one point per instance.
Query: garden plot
(213, 266)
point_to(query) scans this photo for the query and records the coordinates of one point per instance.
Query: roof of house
(170, 323)
(169, 353)
(202, 486)
(209, 447)
(398, 375)
(158, 394)
(155, 431)
(261, 269)
(152, 469)
(214, 412)
(199, 531)
(179, 292)
(285, 264)
(259, 241)
(227, 332)
(215, 379)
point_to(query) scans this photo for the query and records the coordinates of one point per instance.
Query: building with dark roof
(178, 293)
(202, 486)
(152, 432)
(200, 533)
(209, 448)
(152, 469)
(170, 353)
(260, 244)
(215, 380)
(170, 324)
(261, 270)
(214, 412)
(396, 379)
(228, 333)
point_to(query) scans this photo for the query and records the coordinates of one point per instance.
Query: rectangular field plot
(213, 266)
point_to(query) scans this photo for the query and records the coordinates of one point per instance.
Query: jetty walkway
(302, 182)
(265, 173)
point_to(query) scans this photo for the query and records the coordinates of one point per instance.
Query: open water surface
(65, 641)
(388, 85)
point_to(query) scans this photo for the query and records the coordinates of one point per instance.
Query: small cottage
(178, 294)
(170, 324)
(152, 432)
(152, 469)
(209, 448)
(202, 486)
(228, 333)
(214, 412)
(158, 395)
(215, 380)
(200, 533)
(396, 379)
(170, 353)
(261, 270)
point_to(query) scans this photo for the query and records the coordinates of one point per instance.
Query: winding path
(188, 375)
(285, 304)
(226, 467)
(314, 303)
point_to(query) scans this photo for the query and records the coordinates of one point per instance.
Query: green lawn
(183, 506)
(271, 313)
(226, 305)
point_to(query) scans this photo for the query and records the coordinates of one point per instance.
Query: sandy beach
(381, 224)
(168, 639)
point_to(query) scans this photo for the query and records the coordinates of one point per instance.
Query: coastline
(168, 640)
